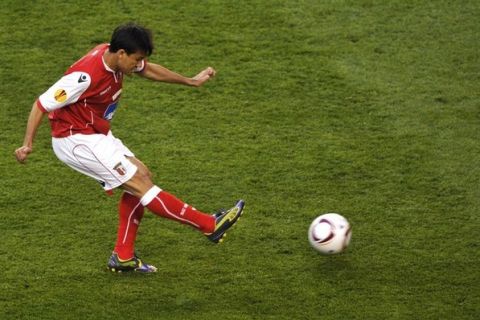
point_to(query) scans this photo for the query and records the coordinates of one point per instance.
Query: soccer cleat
(134, 264)
(224, 220)
(219, 213)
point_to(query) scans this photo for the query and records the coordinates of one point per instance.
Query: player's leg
(130, 214)
(123, 257)
(166, 205)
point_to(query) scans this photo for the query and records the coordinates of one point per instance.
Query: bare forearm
(34, 120)
(159, 73)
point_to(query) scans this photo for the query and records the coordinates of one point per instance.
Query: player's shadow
(331, 267)
(335, 262)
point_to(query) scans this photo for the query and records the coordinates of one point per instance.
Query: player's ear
(121, 52)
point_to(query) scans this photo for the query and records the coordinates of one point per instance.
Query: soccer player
(80, 106)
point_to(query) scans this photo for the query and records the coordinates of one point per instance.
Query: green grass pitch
(367, 108)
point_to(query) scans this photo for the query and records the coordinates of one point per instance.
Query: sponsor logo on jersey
(83, 78)
(106, 90)
(120, 169)
(110, 111)
(60, 95)
(116, 95)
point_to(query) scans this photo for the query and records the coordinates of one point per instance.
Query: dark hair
(132, 38)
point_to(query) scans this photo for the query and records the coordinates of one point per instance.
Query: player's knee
(139, 184)
(149, 174)
(143, 174)
(142, 170)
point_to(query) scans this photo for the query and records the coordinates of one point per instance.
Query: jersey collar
(104, 63)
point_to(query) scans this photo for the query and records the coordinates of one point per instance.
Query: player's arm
(65, 91)
(34, 121)
(157, 72)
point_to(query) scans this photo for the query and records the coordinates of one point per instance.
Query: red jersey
(84, 100)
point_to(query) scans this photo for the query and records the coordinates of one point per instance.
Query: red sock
(130, 214)
(166, 205)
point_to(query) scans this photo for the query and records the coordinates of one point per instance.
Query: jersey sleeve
(65, 91)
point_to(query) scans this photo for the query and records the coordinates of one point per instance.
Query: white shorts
(101, 157)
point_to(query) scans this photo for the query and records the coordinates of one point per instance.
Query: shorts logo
(60, 95)
(120, 169)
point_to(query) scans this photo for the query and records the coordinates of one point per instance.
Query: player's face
(128, 62)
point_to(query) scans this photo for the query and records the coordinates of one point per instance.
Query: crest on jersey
(120, 169)
(60, 95)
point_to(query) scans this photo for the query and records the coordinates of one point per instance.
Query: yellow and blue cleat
(225, 220)
(135, 264)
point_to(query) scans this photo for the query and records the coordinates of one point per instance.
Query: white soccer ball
(330, 233)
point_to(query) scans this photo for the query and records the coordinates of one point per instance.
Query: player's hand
(203, 76)
(22, 153)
